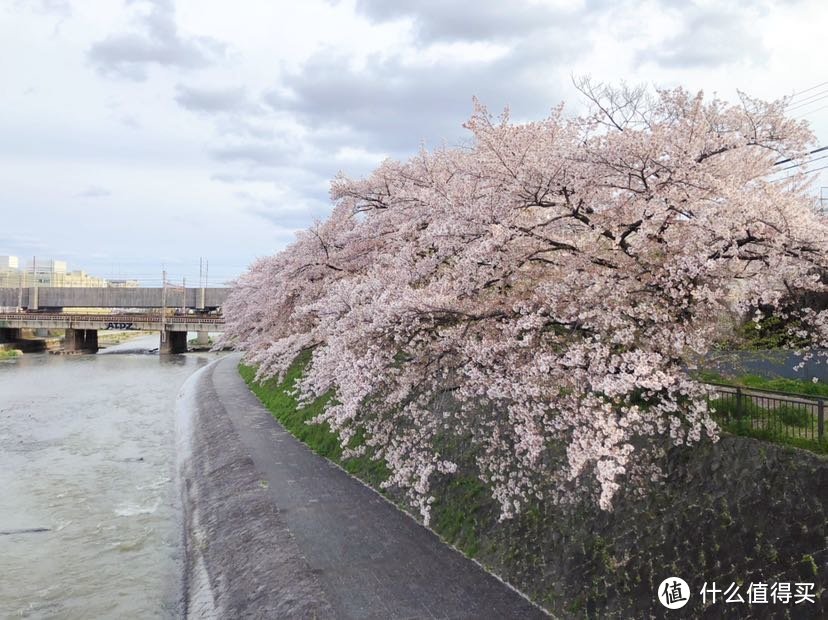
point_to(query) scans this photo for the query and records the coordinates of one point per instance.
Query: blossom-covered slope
(537, 295)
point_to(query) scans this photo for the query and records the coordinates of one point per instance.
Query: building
(9, 271)
(8, 263)
(51, 273)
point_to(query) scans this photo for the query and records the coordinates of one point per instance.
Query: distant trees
(537, 295)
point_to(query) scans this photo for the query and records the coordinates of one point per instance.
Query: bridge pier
(9, 334)
(203, 339)
(81, 340)
(174, 342)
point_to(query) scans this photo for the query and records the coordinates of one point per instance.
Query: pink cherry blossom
(538, 296)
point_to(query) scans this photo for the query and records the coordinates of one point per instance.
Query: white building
(9, 263)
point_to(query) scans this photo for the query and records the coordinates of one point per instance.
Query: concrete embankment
(240, 558)
(273, 530)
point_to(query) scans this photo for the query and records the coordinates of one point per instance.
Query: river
(90, 519)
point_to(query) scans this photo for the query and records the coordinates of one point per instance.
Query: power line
(806, 103)
(815, 170)
(818, 150)
(795, 95)
(791, 178)
(804, 163)
(811, 112)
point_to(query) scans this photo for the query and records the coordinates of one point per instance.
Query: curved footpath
(273, 530)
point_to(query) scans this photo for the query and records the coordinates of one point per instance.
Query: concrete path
(361, 555)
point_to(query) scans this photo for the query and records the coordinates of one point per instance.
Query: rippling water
(87, 452)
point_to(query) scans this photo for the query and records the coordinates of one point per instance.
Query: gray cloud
(708, 37)
(264, 154)
(156, 41)
(94, 191)
(391, 107)
(241, 125)
(295, 212)
(491, 20)
(61, 8)
(131, 121)
(211, 100)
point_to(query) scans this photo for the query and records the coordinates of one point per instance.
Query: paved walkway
(369, 559)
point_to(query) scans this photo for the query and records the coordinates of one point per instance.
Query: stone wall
(737, 511)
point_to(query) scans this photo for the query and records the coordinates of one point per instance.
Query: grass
(9, 354)
(277, 398)
(787, 424)
(726, 408)
(777, 384)
(463, 501)
(793, 416)
(773, 434)
(770, 333)
(459, 510)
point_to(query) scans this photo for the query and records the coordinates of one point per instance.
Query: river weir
(90, 517)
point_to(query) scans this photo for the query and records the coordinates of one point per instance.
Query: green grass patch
(775, 434)
(277, 398)
(9, 354)
(727, 408)
(459, 510)
(776, 384)
(791, 415)
(788, 386)
(463, 501)
(793, 424)
(786, 425)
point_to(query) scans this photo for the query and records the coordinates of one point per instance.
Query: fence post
(820, 419)
(739, 403)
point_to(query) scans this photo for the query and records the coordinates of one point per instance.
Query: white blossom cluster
(534, 300)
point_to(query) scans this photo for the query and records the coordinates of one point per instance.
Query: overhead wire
(795, 95)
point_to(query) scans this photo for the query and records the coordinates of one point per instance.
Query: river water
(90, 519)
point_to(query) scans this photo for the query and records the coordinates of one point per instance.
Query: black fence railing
(763, 413)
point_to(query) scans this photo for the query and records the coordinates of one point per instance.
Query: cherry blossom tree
(538, 297)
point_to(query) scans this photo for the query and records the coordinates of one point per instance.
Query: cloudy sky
(142, 133)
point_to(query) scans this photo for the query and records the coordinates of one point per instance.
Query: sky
(142, 135)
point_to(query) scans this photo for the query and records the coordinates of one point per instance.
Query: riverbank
(273, 530)
(737, 511)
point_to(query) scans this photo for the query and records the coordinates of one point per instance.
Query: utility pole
(20, 291)
(33, 302)
(163, 304)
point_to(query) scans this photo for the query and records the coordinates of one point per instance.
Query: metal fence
(763, 412)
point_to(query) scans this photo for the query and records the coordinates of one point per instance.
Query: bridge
(82, 329)
(41, 308)
(55, 298)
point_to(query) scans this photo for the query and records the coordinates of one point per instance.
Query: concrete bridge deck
(81, 330)
(120, 321)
